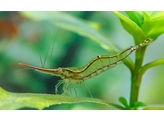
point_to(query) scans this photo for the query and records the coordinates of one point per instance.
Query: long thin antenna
(53, 42)
(44, 62)
(40, 56)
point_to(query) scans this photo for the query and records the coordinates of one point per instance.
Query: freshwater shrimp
(99, 64)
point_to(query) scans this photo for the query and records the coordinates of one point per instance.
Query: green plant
(141, 25)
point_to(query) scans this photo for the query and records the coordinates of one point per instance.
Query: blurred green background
(27, 41)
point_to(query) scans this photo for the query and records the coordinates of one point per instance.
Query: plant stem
(134, 79)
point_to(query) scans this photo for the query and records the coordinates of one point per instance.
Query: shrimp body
(96, 66)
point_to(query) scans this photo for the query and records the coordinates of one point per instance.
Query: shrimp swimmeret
(96, 66)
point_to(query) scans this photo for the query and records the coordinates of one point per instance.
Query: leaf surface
(10, 100)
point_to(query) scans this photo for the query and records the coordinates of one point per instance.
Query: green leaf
(146, 16)
(73, 24)
(144, 68)
(156, 14)
(135, 16)
(124, 102)
(131, 27)
(150, 65)
(10, 100)
(78, 26)
(133, 106)
(153, 27)
(138, 104)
